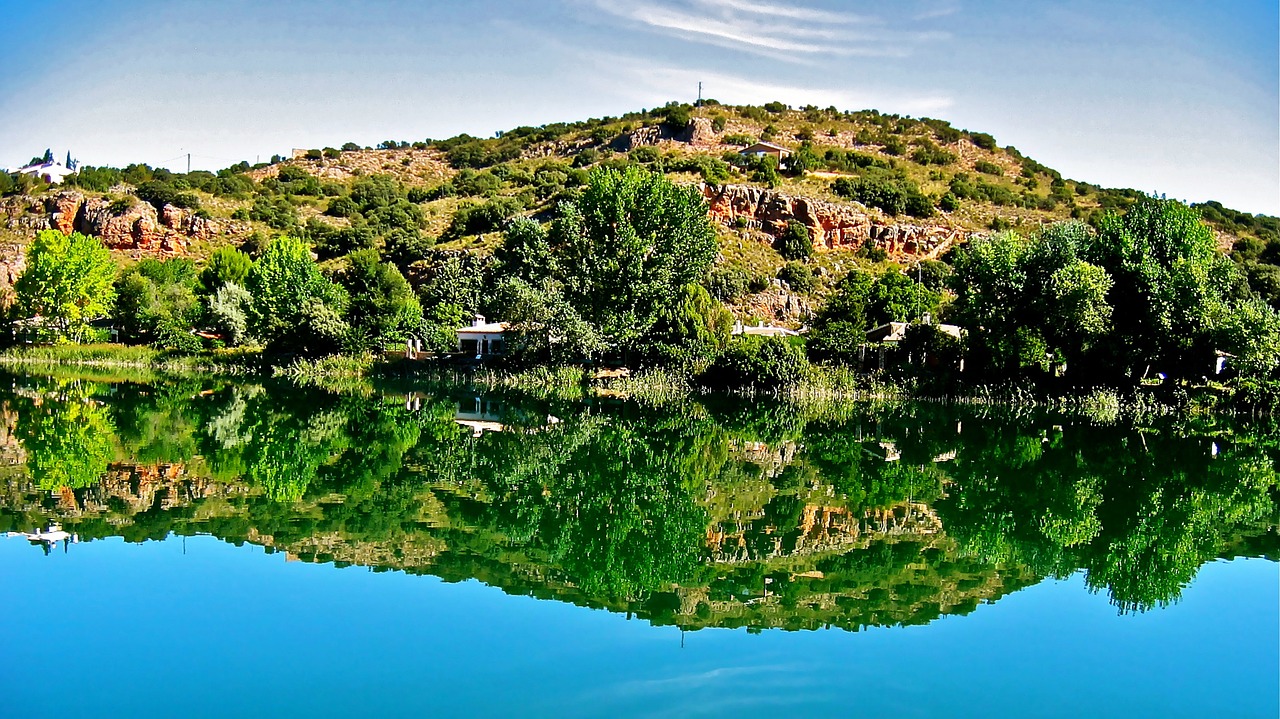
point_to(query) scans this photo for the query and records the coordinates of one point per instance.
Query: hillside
(870, 187)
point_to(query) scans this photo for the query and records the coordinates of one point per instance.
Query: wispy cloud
(789, 32)
(645, 83)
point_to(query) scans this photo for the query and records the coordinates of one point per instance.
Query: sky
(1180, 98)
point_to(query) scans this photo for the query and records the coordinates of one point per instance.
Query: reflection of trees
(609, 504)
(1140, 514)
(683, 514)
(67, 436)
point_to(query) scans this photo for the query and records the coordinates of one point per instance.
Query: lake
(213, 548)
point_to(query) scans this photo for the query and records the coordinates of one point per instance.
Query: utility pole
(188, 163)
(699, 93)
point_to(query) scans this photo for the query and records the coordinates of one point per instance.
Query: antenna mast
(699, 93)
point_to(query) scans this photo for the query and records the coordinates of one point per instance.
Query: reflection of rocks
(143, 488)
(832, 225)
(824, 529)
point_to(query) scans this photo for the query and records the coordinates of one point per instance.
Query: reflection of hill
(771, 519)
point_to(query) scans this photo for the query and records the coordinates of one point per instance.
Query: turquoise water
(271, 551)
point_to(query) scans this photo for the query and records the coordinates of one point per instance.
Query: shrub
(762, 363)
(983, 140)
(738, 139)
(727, 284)
(795, 243)
(988, 168)
(798, 276)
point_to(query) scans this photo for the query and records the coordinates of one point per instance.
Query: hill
(870, 187)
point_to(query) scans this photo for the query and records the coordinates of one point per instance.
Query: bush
(798, 276)
(795, 243)
(988, 168)
(762, 363)
(983, 140)
(727, 284)
(893, 197)
(478, 219)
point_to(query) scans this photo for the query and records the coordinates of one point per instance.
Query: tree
(67, 282)
(542, 326)
(294, 308)
(795, 243)
(382, 306)
(229, 308)
(225, 265)
(157, 303)
(628, 245)
(1174, 286)
(690, 333)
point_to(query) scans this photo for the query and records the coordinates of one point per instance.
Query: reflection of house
(51, 172)
(482, 338)
(482, 416)
(767, 149)
(48, 537)
(760, 329)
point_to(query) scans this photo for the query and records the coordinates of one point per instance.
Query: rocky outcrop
(128, 226)
(13, 260)
(700, 133)
(832, 225)
(137, 228)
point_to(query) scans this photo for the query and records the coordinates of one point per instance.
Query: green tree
(295, 309)
(690, 333)
(226, 264)
(382, 306)
(68, 281)
(157, 303)
(1174, 286)
(628, 245)
(795, 243)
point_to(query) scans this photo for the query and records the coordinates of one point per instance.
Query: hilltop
(870, 187)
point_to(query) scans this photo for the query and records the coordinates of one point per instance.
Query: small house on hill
(51, 172)
(760, 329)
(761, 149)
(482, 339)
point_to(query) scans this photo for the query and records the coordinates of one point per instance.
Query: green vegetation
(587, 239)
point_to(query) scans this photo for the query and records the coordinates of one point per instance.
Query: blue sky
(1180, 98)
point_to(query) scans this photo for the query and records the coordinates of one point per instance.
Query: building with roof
(482, 338)
(760, 329)
(762, 149)
(893, 332)
(52, 172)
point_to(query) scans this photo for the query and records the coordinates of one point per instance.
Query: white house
(760, 149)
(760, 329)
(51, 172)
(482, 338)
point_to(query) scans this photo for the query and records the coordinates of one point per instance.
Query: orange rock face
(832, 225)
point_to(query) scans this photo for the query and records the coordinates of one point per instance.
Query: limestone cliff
(135, 228)
(832, 225)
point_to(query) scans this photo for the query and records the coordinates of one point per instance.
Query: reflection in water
(696, 515)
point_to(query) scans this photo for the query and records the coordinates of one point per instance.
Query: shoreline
(652, 386)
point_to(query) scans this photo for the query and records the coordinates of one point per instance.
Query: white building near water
(482, 339)
(51, 172)
(760, 329)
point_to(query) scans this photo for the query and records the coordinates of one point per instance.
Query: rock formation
(832, 225)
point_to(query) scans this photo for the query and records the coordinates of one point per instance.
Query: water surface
(227, 549)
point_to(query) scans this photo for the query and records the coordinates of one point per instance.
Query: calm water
(207, 548)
